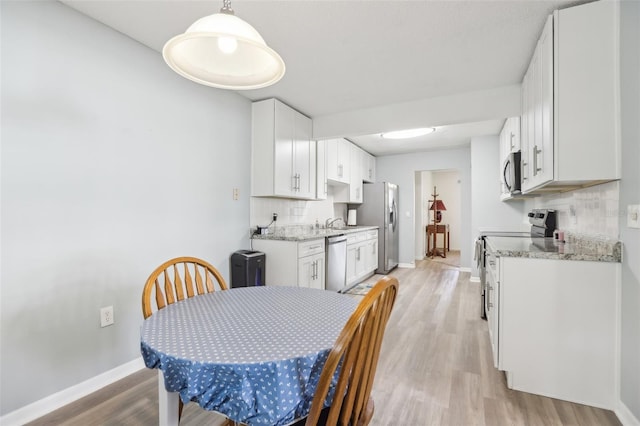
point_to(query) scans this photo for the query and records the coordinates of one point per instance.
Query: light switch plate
(633, 216)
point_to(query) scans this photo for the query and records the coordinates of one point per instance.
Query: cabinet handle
(511, 140)
(536, 151)
(340, 170)
(298, 182)
(315, 270)
(358, 258)
(326, 189)
(524, 169)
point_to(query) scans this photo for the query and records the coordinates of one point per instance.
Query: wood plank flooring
(435, 368)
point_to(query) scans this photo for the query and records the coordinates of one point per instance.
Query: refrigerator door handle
(394, 215)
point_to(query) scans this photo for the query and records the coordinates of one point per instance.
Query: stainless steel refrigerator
(380, 208)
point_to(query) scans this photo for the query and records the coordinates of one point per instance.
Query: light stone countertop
(595, 250)
(307, 232)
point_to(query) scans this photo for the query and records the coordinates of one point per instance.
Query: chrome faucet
(329, 222)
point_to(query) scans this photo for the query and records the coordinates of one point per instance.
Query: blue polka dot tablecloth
(254, 354)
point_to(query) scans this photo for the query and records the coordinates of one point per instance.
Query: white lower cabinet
(311, 271)
(293, 263)
(554, 327)
(362, 255)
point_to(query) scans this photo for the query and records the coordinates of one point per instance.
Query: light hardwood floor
(435, 368)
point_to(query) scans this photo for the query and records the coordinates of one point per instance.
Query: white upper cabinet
(283, 156)
(368, 167)
(321, 170)
(338, 160)
(355, 182)
(570, 102)
(510, 137)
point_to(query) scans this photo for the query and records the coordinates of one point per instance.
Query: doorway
(447, 184)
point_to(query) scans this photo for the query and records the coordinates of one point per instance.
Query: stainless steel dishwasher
(336, 263)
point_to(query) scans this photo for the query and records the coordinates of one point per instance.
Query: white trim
(407, 265)
(474, 279)
(464, 269)
(66, 396)
(625, 415)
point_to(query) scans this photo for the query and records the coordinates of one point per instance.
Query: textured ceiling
(345, 56)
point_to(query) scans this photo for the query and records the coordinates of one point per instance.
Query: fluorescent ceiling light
(410, 133)
(223, 51)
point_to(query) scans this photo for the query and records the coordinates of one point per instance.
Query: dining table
(253, 354)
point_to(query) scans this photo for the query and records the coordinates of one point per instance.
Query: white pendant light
(223, 51)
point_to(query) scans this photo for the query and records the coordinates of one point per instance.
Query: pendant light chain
(226, 7)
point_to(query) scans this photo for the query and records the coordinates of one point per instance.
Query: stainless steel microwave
(511, 173)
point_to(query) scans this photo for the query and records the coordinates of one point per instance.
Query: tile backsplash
(589, 211)
(294, 212)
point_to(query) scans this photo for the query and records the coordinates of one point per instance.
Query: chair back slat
(209, 281)
(199, 285)
(188, 281)
(168, 288)
(160, 302)
(182, 285)
(177, 282)
(356, 353)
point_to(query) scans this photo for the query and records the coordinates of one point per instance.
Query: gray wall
(488, 212)
(630, 194)
(400, 169)
(111, 164)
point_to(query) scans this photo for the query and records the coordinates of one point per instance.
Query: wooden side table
(432, 232)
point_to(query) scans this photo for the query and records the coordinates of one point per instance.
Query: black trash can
(247, 268)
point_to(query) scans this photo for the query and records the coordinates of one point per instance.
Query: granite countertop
(308, 232)
(595, 250)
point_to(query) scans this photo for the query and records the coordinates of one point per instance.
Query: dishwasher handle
(335, 239)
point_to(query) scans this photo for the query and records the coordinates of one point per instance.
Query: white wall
(111, 164)
(400, 169)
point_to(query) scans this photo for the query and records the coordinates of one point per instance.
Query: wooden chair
(358, 347)
(191, 277)
(183, 277)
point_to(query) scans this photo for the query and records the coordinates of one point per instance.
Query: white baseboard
(464, 269)
(625, 415)
(474, 279)
(66, 396)
(407, 265)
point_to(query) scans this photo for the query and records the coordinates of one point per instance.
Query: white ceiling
(343, 57)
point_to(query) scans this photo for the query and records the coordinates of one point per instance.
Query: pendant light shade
(223, 51)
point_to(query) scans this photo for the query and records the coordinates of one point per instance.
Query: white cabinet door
(338, 157)
(284, 179)
(319, 279)
(542, 151)
(311, 271)
(369, 167)
(321, 170)
(493, 311)
(371, 251)
(355, 181)
(304, 158)
(537, 160)
(526, 126)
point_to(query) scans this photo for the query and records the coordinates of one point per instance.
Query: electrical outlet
(633, 216)
(236, 194)
(106, 316)
(275, 217)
